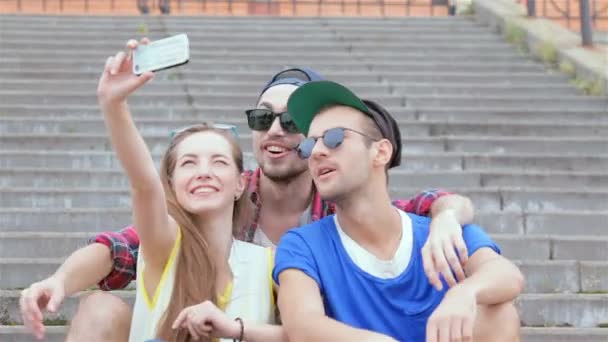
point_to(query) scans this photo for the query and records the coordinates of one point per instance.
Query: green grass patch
(468, 10)
(547, 52)
(142, 29)
(55, 322)
(516, 36)
(588, 87)
(567, 68)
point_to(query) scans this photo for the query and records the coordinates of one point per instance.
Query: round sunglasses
(332, 138)
(261, 119)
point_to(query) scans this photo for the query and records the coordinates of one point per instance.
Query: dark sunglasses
(261, 119)
(332, 138)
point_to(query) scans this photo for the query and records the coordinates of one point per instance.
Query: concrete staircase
(478, 118)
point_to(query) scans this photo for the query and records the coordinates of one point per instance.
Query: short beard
(286, 176)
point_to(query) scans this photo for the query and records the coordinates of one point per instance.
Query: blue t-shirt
(397, 307)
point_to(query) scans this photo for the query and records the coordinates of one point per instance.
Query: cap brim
(311, 98)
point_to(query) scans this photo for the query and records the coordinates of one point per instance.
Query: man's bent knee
(101, 316)
(497, 323)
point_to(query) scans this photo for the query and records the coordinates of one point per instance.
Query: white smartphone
(161, 54)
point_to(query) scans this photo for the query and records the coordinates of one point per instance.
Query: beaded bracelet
(238, 319)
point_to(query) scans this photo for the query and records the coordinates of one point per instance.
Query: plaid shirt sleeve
(124, 247)
(421, 204)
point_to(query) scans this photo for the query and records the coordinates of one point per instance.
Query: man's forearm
(323, 328)
(496, 281)
(460, 206)
(85, 268)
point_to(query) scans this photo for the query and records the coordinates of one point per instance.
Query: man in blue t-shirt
(359, 275)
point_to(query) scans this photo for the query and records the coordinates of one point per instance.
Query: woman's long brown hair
(196, 275)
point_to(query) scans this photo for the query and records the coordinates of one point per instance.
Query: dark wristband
(238, 319)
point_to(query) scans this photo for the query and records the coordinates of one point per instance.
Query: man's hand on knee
(454, 318)
(44, 295)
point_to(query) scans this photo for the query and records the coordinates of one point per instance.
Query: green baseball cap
(313, 97)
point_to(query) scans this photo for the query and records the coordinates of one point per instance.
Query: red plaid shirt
(124, 244)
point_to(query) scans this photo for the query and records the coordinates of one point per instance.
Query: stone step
(271, 67)
(410, 128)
(159, 99)
(202, 28)
(418, 101)
(561, 102)
(403, 88)
(559, 223)
(19, 333)
(182, 73)
(586, 310)
(524, 247)
(178, 87)
(421, 145)
(227, 112)
(494, 221)
(205, 22)
(415, 162)
(533, 89)
(239, 43)
(563, 334)
(525, 199)
(458, 77)
(115, 178)
(251, 56)
(188, 74)
(541, 276)
(528, 334)
(522, 113)
(576, 310)
(313, 34)
(485, 199)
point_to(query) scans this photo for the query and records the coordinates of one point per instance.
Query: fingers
(117, 62)
(461, 247)
(30, 311)
(31, 298)
(140, 81)
(453, 261)
(55, 301)
(429, 267)
(456, 330)
(192, 328)
(431, 330)
(467, 329)
(442, 265)
(180, 319)
(201, 327)
(132, 44)
(444, 331)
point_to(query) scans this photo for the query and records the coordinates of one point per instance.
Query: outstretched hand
(48, 295)
(117, 80)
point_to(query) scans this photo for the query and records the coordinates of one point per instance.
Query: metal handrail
(589, 15)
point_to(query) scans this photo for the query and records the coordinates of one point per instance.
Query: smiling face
(206, 176)
(274, 149)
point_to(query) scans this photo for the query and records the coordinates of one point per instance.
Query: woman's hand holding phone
(117, 80)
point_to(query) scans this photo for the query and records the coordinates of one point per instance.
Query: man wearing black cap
(284, 185)
(358, 275)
